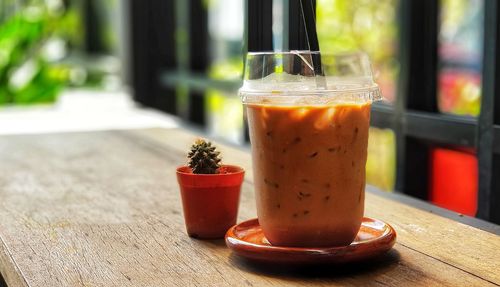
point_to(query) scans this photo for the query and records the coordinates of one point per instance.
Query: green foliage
(203, 158)
(26, 74)
(362, 25)
(369, 25)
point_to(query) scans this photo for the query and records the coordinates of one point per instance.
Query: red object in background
(210, 201)
(454, 180)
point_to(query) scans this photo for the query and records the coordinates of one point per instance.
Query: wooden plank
(102, 208)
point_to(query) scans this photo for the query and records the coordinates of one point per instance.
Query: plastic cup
(309, 137)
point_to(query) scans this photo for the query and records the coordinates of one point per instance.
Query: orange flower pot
(210, 201)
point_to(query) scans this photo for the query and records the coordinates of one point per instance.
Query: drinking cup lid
(308, 77)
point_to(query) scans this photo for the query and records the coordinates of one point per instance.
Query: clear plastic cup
(309, 134)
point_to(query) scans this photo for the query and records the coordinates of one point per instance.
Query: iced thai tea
(309, 171)
(308, 116)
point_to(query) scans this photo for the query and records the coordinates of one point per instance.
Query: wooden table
(103, 209)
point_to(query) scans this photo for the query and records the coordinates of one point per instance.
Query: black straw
(309, 17)
(308, 8)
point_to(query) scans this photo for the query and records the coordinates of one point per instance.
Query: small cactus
(203, 158)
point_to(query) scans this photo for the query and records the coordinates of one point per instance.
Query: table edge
(6, 275)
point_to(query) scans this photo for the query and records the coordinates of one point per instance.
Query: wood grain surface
(103, 209)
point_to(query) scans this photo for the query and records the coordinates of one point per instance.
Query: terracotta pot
(210, 201)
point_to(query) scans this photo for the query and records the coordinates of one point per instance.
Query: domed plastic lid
(305, 77)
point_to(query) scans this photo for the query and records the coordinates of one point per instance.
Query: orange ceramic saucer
(374, 238)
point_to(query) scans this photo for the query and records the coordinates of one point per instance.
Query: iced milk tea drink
(309, 149)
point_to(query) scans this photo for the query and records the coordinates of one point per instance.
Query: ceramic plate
(374, 238)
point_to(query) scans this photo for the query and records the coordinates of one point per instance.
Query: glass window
(381, 163)
(223, 109)
(225, 116)
(460, 56)
(367, 25)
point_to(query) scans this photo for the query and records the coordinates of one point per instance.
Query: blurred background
(69, 65)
